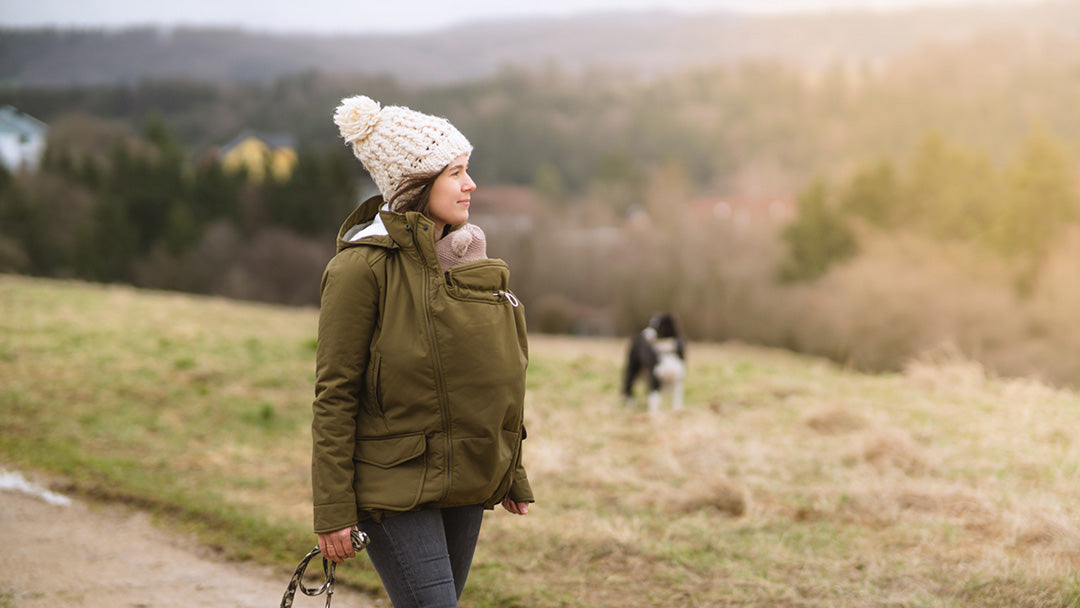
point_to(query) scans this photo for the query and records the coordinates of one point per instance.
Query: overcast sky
(381, 15)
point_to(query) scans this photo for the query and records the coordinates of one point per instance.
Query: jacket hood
(365, 225)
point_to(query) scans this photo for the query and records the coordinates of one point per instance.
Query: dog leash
(359, 541)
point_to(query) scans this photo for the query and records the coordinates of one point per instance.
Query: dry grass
(786, 481)
(905, 295)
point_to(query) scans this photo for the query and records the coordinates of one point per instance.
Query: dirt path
(55, 555)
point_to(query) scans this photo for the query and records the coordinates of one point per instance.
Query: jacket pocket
(390, 471)
(374, 376)
(483, 281)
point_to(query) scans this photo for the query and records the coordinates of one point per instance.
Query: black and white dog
(658, 352)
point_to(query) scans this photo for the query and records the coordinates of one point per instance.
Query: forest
(928, 203)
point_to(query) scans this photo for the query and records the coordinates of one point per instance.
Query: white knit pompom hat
(395, 143)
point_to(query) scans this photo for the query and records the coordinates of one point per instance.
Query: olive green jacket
(420, 377)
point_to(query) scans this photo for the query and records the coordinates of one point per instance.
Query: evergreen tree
(315, 198)
(1040, 199)
(874, 194)
(7, 179)
(21, 222)
(952, 190)
(110, 243)
(145, 185)
(214, 194)
(181, 229)
(817, 239)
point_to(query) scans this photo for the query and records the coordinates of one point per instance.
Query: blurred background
(866, 181)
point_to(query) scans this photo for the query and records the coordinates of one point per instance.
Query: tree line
(761, 126)
(945, 192)
(137, 208)
(918, 221)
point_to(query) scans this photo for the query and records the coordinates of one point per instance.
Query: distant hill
(643, 43)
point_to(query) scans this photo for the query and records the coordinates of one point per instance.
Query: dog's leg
(628, 387)
(655, 386)
(654, 401)
(630, 375)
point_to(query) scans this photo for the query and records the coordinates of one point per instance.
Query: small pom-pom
(460, 240)
(356, 117)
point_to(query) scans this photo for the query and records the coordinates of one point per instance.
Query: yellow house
(259, 153)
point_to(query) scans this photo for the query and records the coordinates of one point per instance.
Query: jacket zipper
(502, 293)
(440, 383)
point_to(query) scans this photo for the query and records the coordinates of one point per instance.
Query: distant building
(22, 140)
(259, 153)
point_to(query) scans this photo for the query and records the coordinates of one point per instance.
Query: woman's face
(450, 195)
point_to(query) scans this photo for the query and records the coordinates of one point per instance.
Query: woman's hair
(414, 193)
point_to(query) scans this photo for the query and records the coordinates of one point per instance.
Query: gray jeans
(423, 557)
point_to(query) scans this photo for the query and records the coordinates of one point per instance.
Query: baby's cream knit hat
(395, 143)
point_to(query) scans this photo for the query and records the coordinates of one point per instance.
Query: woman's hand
(337, 546)
(519, 508)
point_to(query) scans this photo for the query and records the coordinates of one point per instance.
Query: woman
(420, 366)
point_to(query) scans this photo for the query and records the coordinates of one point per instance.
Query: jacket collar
(372, 223)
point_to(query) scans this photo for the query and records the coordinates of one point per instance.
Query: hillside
(643, 43)
(786, 481)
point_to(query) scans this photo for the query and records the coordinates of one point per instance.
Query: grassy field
(787, 481)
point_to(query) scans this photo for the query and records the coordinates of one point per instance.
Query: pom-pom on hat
(395, 143)
(466, 244)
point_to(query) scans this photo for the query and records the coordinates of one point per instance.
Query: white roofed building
(22, 140)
